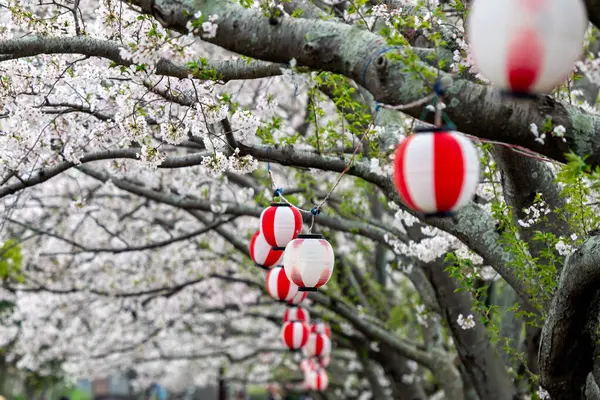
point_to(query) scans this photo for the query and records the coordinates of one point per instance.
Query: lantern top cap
(310, 236)
(279, 204)
(426, 129)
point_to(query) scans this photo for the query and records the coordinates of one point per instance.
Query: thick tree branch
(226, 70)
(480, 358)
(571, 329)
(358, 54)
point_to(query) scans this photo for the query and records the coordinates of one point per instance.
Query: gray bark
(355, 52)
(481, 359)
(570, 334)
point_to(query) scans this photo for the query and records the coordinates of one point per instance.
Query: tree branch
(226, 70)
(571, 329)
(359, 54)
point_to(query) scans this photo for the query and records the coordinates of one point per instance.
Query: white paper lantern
(526, 46)
(318, 345)
(436, 171)
(317, 379)
(308, 261)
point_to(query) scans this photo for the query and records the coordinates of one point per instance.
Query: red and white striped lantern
(279, 286)
(280, 223)
(262, 253)
(294, 334)
(321, 327)
(526, 46)
(318, 345)
(298, 298)
(324, 361)
(317, 380)
(436, 171)
(296, 314)
(308, 262)
(307, 365)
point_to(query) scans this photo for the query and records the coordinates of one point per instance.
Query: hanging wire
(316, 210)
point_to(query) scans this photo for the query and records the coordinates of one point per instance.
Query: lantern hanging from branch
(262, 253)
(308, 262)
(298, 298)
(526, 46)
(321, 327)
(279, 286)
(307, 364)
(318, 345)
(317, 380)
(280, 223)
(294, 334)
(296, 314)
(436, 171)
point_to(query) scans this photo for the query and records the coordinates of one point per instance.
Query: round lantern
(321, 327)
(294, 334)
(280, 223)
(324, 361)
(298, 298)
(307, 365)
(262, 253)
(317, 380)
(436, 171)
(296, 314)
(279, 286)
(308, 262)
(526, 46)
(318, 345)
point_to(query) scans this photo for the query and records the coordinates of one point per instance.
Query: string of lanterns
(296, 264)
(436, 170)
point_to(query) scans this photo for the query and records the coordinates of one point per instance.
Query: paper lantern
(321, 327)
(279, 286)
(317, 380)
(298, 298)
(308, 261)
(436, 171)
(324, 361)
(526, 46)
(318, 345)
(296, 314)
(279, 224)
(307, 365)
(262, 253)
(294, 334)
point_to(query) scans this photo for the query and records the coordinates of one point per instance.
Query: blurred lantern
(262, 253)
(526, 46)
(318, 345)
(279, 286)
(317, 380)
(296, 314)
(308, 262)
(321, 327)
(324, 361)
(294, 334)
(298, 298)
(307, 365)
(436, 171)
(279, 224)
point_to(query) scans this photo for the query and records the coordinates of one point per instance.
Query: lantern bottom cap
(262, 266)
(518, 95)
(307, 289)
(439, 214)
(277, 248)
